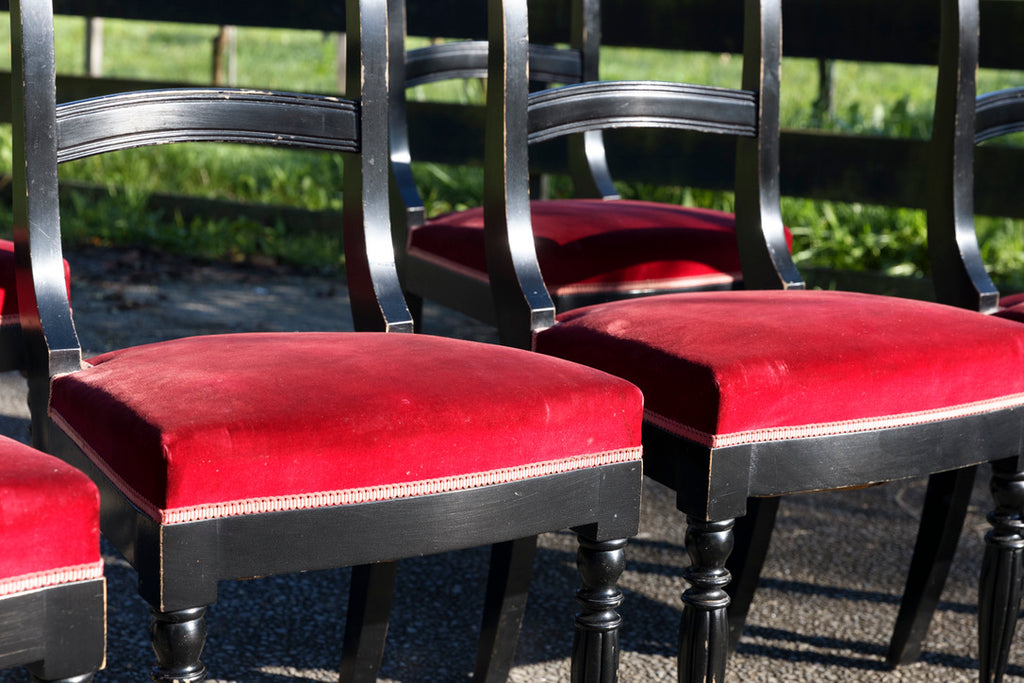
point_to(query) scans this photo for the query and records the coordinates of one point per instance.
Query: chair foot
(178, 638)
(753, 535)
(366, 627)
(1001, 572)
(704, 629)
(942, 519)
(508, 585)
(595, 649)
(84, 678)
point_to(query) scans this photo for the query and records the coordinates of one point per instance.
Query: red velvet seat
(51, 573)
(410, 416)
(800, 365)
(600, 247)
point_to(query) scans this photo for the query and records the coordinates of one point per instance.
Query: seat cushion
(49, 521)
(1012, 307)
(8, 292)
(725, 368)
(210, 426)
(595, 246)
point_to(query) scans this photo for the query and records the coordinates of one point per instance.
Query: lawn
(867, 98)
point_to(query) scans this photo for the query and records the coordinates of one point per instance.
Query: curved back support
(958, 272)
(468, 59)
(999, 113)
(47, 134)
(516, 117)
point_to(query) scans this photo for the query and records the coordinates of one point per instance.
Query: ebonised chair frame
(57, 632)
(179, 565)
(715, 486)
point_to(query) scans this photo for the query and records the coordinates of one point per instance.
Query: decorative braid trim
(833, 428)
(10, 319)
(707, 280)
(50, 577)
(631, 285)
(366, 494)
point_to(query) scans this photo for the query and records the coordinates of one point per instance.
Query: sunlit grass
(877, 99)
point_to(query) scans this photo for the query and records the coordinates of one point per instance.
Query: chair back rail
(57, 134)
(117, 122)
(999, 113)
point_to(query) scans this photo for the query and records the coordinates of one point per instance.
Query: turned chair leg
(508, 585)
(178, 638)
(753, 535)
(704, 629)
(1001, 572)
(942, 519)
(595, 649)
(366, 626)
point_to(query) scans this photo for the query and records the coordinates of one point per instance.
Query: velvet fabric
(208, 426)
(8, 292)
(49, 516)
(594, 245)
(1012, 307)
(724, 368)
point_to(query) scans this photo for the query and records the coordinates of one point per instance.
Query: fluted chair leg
(704, 629)
(366, 627)
(753, 535)
(942, 519)
(508, 585)
(178, 639)
(1001, 573)
(595, 650)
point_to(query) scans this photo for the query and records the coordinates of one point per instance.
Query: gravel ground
(828, 595)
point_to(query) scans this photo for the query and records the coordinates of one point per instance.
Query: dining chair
(230, 456)
(962, 121)
(774, 389)
(592, 247)
(52, 590)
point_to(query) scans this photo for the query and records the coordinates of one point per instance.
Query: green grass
(877, 99)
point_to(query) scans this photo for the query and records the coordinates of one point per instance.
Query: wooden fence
(815, 164)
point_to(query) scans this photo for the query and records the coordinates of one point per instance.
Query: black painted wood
(369, 608)
(596, 644)
(508, 585)
(942, 519)
(57, 633)
(753, 534)
(1002, 571)
(178, 638)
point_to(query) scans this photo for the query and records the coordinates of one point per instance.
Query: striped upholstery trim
(832, 428)
(50, 577)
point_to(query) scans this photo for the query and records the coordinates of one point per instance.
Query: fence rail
(818, 165)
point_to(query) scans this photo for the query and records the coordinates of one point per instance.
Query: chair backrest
(517, 117)
(958, 273)
(47, 133)
(467, 59)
